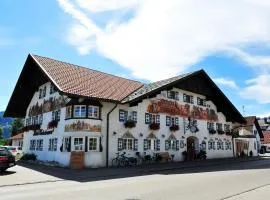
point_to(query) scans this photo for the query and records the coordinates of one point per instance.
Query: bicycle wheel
(115, 162)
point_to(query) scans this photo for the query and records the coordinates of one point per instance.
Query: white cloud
(164, 38)
(226, 82)
(258, 89)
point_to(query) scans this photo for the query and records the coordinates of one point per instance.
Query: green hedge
(29, 156)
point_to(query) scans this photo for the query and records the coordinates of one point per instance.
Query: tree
(16, 125)
(1, 132)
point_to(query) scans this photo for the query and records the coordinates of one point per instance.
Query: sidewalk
(85, 175)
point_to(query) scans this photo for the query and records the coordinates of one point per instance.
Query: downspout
(107, 134)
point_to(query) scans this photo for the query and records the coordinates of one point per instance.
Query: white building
(71, 109)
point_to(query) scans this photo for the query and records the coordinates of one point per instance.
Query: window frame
(126, 142)
(188, 98)
(97, 143)
(39, 145)
(80, 111)
(91, 114)
(82, 145)
(53, 144)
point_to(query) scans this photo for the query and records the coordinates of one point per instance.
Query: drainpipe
(107, 134)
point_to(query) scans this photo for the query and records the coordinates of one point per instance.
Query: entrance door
(191, 148)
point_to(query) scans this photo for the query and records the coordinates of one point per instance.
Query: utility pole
(244, 110)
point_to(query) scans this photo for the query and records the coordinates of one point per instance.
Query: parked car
(7, 160)
(14, 150)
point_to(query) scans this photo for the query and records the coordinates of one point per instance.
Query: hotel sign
(174, 108)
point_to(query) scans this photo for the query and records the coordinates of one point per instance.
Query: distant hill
(5, 123)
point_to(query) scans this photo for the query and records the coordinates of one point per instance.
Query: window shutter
(145, 144)
(135, 145)
(120, 144)
(167, 145)
(69, 145)
(158, 145)
(191, 99)
(176, 95)
(158, 119)
(176, 121)
(168, 120)
(147, 118)
(177, 145)
(61, 147)
(100, 145)
(126, 116)
(86, 144)
(150, 118)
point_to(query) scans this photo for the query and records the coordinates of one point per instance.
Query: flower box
(33, 127)
(174, 127)
(221, 132)
(52, 124)
(212, 131)
(130, 124)
(228, 133)
(154, 126)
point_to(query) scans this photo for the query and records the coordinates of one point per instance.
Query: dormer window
(188, 98)
(201, 102)
(79, 111)
(173, 95)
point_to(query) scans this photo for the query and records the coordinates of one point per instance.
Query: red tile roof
(81, 81)
(266, 135)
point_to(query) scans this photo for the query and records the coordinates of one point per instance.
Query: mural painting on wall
(174, 108)
(48, 105)
(82, 126)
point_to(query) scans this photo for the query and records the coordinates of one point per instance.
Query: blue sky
(136, 40)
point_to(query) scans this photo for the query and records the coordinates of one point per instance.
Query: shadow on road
(87, 175)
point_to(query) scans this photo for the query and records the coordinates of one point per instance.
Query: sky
(145, 40)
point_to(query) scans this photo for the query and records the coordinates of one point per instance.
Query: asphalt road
(245, 181)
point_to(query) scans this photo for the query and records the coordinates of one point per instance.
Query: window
(39, 146)
(78, 144)
(168, 120)
(227, 127)
(211, 144)
(134, 116)
(40, 93)
(201, 102)
(52, 89)
(32, 145)
(44, 91)
(28, 121)
(210, 126)
(128, 144)
(68, 112)
(66, 144)
(93, 112)
(56, 115)
(151, 144)
(173, 95)
(80, 111)
(172, 145)
(174, 121)
(93, 144)
(53, 144)
(152, 118)
(188, 98)
(35, 120)
(123, 115)
(219, 126)
(220, 145)
(40, 119)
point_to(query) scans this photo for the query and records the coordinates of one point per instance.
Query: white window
(188, 98)
(172, 144)
(32, 145)
(174, 121)
(78, 144)
(173, 95)
(93, 112)
(123, 115)
(93, 144)
(155, 118)
(128, 144)
(66, 144)
(56, 115)
(39, 146)
(150, 144)
(68, 112)
(211, 144)
(53, 144)
(80, 111)
(220, 145)
(201, 102)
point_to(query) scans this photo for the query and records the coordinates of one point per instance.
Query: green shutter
(167, 145)
(86, 144)
(145, 144)
(120, 144)
(158, 145)
(135, 145)
(177, 145)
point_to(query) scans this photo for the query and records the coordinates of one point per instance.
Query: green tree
(16, 125)
(2, 141)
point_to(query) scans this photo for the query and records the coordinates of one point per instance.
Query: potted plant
(52, 124)
(174, 127)
(154, 126)
(129, 124)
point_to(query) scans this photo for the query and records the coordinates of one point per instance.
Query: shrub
(29, 156)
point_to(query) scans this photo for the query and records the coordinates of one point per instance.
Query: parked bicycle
(122, 160)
